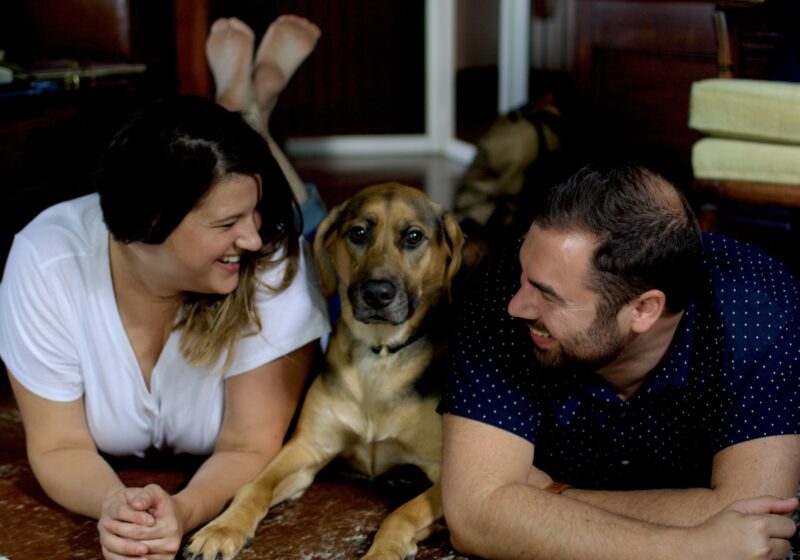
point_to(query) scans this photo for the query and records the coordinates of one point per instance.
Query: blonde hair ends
(211, 327)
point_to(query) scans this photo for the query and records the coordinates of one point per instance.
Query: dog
(394, 254)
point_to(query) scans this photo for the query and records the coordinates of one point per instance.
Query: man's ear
(647, 309)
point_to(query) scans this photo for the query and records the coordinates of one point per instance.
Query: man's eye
(414, 237)
(357, 234)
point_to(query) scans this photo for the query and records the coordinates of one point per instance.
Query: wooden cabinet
(49, 145)
(635, 63)
(92, 63)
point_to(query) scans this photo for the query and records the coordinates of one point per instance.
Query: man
(654, 371)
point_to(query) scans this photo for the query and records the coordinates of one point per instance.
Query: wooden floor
(335, 519)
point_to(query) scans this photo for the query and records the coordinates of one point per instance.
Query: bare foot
(286, 44)
(229, 50)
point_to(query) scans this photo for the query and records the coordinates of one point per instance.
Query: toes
(219, 24)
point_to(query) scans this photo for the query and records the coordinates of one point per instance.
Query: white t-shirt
(62, 337)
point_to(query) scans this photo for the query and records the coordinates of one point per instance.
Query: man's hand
(141, 521)
(757, 528)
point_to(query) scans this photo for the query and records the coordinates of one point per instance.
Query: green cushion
(720, 158)
(748, 109)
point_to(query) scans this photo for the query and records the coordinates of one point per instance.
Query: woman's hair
(648, 236)
(161, 165)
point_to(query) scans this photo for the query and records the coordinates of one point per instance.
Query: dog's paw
(216, 542)
(391, 552)
(385, 555)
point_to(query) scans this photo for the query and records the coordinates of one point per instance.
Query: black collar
(397, 347)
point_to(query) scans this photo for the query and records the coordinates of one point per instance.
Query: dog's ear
(322, 255)
(455, 239)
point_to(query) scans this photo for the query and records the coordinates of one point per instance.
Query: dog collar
(397, 347)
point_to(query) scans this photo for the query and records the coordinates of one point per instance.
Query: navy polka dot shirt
(731, 375)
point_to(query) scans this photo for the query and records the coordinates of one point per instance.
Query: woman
(175, 309)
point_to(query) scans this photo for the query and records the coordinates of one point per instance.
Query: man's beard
(597, 346)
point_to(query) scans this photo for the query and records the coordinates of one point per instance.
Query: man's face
(555, 303)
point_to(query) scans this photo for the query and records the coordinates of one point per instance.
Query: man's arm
(492, 511)
(768, 466)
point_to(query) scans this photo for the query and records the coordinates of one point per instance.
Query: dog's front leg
(400, 532)
(291, 472)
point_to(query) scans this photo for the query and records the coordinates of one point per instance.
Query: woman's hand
(141, 523)
(120, 524)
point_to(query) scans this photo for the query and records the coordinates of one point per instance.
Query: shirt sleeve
(757, 305)
(289, 319)
(35, 326)
(764, 400)
(488, 378)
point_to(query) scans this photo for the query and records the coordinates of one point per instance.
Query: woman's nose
(249, 238)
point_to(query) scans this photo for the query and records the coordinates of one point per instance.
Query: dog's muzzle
(379, 300)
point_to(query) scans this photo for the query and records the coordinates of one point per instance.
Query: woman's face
(202, 254)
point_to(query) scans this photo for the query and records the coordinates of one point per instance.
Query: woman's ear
(326, 232)
(647, 309)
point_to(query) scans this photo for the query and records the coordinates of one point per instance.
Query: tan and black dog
(394, 254)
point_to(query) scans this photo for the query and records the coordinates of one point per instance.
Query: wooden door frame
(439, 137)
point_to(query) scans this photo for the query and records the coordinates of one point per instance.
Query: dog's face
(394, 252)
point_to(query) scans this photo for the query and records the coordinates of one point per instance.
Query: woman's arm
(259, 406)
(65, 461)
(62, 453)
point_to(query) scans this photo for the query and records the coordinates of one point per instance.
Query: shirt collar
(673, 369)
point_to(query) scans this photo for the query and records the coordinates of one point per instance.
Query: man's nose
(523, 305)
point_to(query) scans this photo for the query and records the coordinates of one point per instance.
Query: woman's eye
(357, 234)
(414, 237)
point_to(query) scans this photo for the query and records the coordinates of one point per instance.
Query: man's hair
(647, 235)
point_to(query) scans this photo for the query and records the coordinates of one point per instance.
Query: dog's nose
(378, 293)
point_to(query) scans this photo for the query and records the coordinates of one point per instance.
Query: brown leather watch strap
(556, 487)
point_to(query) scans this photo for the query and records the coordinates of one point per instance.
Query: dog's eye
(357, 234)
(414, 237)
